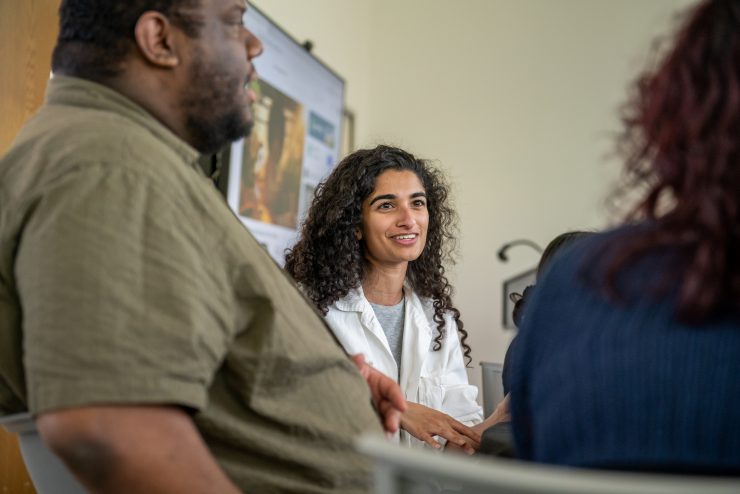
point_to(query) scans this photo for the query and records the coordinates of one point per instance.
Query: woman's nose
(406, 217)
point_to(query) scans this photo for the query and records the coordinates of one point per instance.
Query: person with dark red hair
(629, 352)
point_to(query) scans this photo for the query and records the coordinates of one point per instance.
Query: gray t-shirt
(390, 318)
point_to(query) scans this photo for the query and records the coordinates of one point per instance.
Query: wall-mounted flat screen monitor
(295, 142)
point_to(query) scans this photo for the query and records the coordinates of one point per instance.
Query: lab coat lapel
(417, 336)
(372, 329)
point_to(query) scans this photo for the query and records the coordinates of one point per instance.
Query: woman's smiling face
(395, 219)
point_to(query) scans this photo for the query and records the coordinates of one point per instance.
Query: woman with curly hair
(628, 356)
(371, 258)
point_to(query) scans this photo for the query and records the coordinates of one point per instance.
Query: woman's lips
(405, 238)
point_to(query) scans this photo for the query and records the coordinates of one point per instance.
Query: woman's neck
(384, 285)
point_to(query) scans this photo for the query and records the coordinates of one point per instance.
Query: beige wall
(517, 99)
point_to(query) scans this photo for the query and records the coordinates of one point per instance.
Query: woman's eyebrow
(394, 196)
(384, 196)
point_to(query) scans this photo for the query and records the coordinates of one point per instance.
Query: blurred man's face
(217, 102)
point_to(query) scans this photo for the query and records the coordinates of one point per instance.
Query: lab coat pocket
(431, 391)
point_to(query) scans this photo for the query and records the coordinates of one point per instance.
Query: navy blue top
(623, 385)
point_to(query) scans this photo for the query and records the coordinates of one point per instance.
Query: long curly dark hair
(328, 260)
(682, 142)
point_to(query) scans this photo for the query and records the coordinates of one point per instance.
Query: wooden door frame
(28, 30)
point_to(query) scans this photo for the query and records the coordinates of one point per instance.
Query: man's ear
(156, 40)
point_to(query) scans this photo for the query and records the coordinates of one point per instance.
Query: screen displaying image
(272, 159)
(295, 140)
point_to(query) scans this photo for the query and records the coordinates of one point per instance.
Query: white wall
(517, 99)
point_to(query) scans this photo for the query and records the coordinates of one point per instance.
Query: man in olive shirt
(158, 345)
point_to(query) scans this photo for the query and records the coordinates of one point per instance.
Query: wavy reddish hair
(682, 130)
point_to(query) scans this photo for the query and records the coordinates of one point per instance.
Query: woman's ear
(358, 234)
(155, 39)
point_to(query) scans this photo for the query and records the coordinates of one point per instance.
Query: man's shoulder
(61, 140)
(68, 133)
(92, 121)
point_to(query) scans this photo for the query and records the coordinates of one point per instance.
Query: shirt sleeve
(119, 303)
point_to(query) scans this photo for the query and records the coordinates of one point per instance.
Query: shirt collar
(355, 300)
(66, 90)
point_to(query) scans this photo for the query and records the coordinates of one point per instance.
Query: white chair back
(400, 470)
(492, 386)
(48, 473)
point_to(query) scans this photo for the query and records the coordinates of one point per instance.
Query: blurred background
(518, 101)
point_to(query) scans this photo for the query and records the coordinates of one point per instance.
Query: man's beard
(214, 118)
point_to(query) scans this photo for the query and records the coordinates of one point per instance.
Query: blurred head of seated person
(497, 438)
(156, 343)
(556, 246)
(627, 357)
(371, 256)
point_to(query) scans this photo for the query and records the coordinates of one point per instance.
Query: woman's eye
(385, 205)
(420, 203)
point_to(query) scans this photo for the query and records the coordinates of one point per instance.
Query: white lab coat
(436, 379)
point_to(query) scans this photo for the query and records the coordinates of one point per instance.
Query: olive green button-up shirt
(125, 279)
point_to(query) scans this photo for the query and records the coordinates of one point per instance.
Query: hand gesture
(387, 396)
(424, 422)
(500, 414)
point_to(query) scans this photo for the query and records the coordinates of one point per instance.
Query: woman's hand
(500, 414)
(424, 422)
